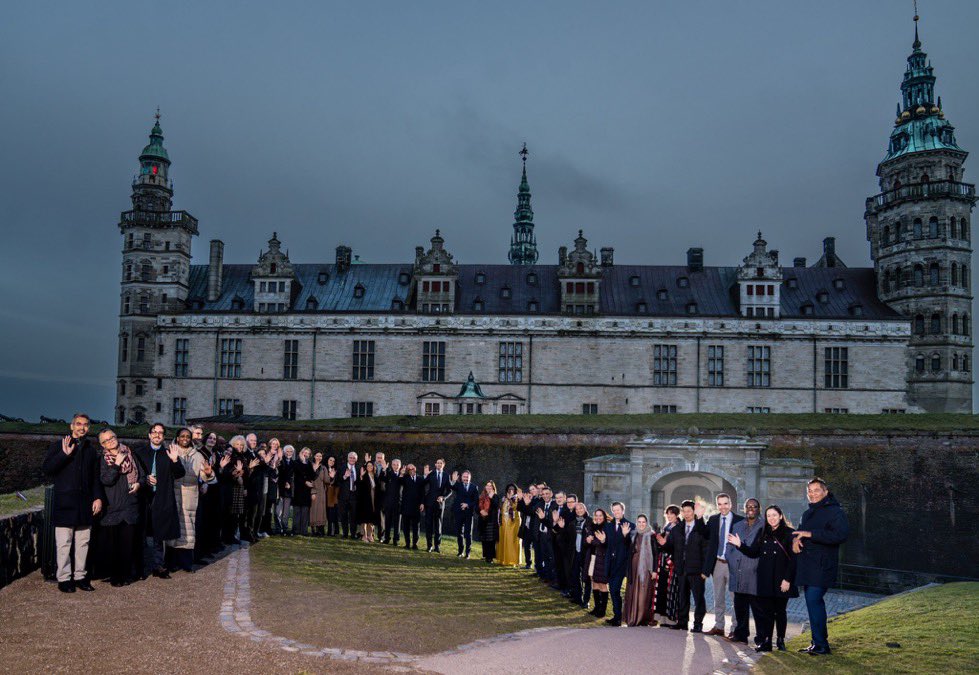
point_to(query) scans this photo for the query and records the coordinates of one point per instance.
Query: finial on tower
(523, 154)
(917, 40)
(157, 116)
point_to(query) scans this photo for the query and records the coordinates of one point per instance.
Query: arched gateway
(656, 471)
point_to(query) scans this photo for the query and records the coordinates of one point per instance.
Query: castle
(586, 335)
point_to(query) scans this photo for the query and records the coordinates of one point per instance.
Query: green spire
(523, 244)
(154, 149)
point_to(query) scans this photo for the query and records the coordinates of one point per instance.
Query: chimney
(695, 259)
(343, 258)
(607, 252)
(798, 262)
(419, 254)
(562, 255)
(829, 251)
(214, 270)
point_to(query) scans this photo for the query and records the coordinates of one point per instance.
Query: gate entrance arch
(656, 471)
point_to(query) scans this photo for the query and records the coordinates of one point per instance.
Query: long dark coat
(120, 506)
(489, 525)
(411, 495)
(619, 549)
(76, 482)
(163, 521)
(303, 473)
(818, 563)
(368, 505)
(776, 562)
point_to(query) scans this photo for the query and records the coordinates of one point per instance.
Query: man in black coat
(348, 475)
(436, 490)
(411, 502)
(618, 535)
(817, 544)
(688, 543)
(563, 539)
(143, 452)
(542, 523)
(718, 527)
(163, 467)
(526, 507)
(391, 500)
(73, 463)
(286, 471)
(464, 509)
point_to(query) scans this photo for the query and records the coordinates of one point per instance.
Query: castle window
(965, 363)
(262, 287)
(836, 366)
(792, 282)
(751, 289)
(166, 269)
(807, 309)
(126, 304)
(124, 348)
(933, 274)
(919, 363)
(955, 324)
(955, 274)
(403, 279)
(145, 272)
(955, 361)
(936, 363)
(436, 268)
(965, 276)
(885, 235)
(580, 268)
(532, 306)
(290, 360)
(289, 410)
(477, 305)
(661, 294)
(579, 287)
(664, 409)
(715, 365)
(238, 304)
(147, 240)
(121, 415)
(838, 284)
(692, 308)
(129, 272)
(683, 282)
(919, 324)
(916, 231)
(480, 278)
(181, 357)
(433, 361)
(759, 366)
(397, 304)
(230, 358)
(511, 362)
(634, 281)
(273, 267)
(312, 304)
(641, 307)
(591, 287)
(358, 291)
(122, 387)
(532, 279)
(179, 411)
(953, 231)
(856, 310)
(822, 297)
(322, 278)
(363, 360)
(964, 229)
(898, 232)
(965, 324)
(361, 408)
(933, 227)
(886, 282)
(664, 365)
(589, 408)
(505, 292)
(919, 276)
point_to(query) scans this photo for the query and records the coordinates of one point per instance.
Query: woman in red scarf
(122, 477)
(489, 521)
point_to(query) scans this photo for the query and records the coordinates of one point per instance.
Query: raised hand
(600, 535)
(225, 460)
(309, 483)
(66, 446)
(540, 513)
(625, 529)
(119, 459)
(589, 539)
(699, 509)
(252, 464)
(734, 540)
(784, 586)
(173, 451)
(331, 472)
(207, 471)
(560, 522)
(661, 539)
(555, 515)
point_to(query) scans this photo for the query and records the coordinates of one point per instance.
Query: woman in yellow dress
(508, 549)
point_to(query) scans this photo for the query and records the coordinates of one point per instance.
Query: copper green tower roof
(523, 244)
(920, 123)
(154, 149)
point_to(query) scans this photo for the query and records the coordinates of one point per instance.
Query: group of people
(162, 506)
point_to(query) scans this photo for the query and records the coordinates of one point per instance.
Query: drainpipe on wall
(312, 379)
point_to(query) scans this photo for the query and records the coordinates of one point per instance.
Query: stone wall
(912, 499)
(20, 545)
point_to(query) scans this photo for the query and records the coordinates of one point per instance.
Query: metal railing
(884, 581)
(158, 218)
(938, 188)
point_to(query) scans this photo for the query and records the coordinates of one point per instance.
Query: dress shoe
(437, 550)
(459, 554)
(467, 555)
(66, 586)
(84, 585)
(780, 643)
(414, 547)
(118, 584)
(613, 622)
(716, 631)
(808, 649)
(161, 573)
(764, 647)
(697, 629)
(819, 651)
(430, 549)
(677, 626)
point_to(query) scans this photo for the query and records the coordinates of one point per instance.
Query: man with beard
(163, 522)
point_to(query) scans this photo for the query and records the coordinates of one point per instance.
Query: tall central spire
(523, 244)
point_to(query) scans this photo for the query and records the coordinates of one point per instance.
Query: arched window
(924, 178)
(580, 268)
(953, 231)
(126, 304)
(919, 363)
(933, 227)
(898, 232)
(919, 275)
(916, 231)
(936, 362)
(964, 228)
(965, 276)
(885, 235)
(933, 274)
(886, 284)
(965, 363)
(955, 274)
(919, 324)
(121, 415)
(936, 324)
(312, 304)
(965, 324)
(146, 272)
(955, 324)
(955, 361)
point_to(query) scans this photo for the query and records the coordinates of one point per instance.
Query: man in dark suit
(542, 523)
(560, 544)
(464, 509)
(411, 502)
(143, 452)
(688, 543)
(348, 475)
(715, 564)
(618, 534)
(391, 500)
(526, 507)
(436, 490)
(163, 467)
(73, 463)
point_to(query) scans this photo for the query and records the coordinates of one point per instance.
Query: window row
(959, 363)
(920, 275)
(937, 324)
(271, 287)
(957, 229)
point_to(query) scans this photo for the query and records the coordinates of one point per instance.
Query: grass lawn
(341, 593)
(11, 503)
(937, 628)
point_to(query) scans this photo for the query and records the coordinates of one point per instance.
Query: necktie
(687, 534)
(438, 478)
(723, 536)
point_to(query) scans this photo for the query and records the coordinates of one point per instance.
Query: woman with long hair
(302, 495)
(641, 576)
(508, 548)
(489, 521)
(598, 545)
(666, 598)
(332, 498)
(317, 510)
(186, 490)
(369, 500)
(776, 576)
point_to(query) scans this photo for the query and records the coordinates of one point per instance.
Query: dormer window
(683, 282)
(436, 268)
(792, 282)
(856, 310)
(533, 306)
(691, 308)
(505, 292)
(403, 279)
(322, 278)
(237, 303)
(477, 305)
(272, 268)
(759, 271)
(634, 281)
(532, 279)
(838, 284)
(480, 278)
(641, 308)
(312, 304)
(822, 297)
(807, 309)
(359, 291)
(397, 304)
(661, 294)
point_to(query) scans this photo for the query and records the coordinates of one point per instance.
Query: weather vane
(915, 10)
(157, 113)
(523, 153)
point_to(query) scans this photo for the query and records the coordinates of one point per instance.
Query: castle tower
(523, 244)
(155, 278)
(918, 229)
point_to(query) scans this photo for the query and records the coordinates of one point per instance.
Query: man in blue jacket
(618, 534)
(464, 508)
(817, 542)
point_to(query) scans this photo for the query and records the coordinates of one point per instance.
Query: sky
(652, 126)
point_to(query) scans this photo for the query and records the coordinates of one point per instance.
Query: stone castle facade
(585, 335)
